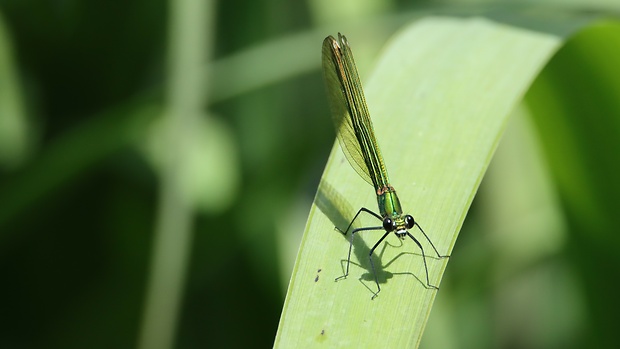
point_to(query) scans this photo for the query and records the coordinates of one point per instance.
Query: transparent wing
(350, 113)
(334, 74)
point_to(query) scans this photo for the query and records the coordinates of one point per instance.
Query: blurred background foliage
(110, 122)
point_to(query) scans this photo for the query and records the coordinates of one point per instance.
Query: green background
(83, 86)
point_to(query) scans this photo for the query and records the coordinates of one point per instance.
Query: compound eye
(389, 224)
(409, 222)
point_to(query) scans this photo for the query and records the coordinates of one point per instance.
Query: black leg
(429, 240)
(372, 265)
(351, 247)
(372, 250)
(363, 209)
(428, 283)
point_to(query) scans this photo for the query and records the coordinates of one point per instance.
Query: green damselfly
(357, 140)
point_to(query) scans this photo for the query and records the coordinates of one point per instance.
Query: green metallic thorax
(389, 205)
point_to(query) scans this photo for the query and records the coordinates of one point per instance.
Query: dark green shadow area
(339, 212)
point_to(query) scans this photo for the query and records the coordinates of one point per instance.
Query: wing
(350, 113)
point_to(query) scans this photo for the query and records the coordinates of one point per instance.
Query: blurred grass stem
(189, 42)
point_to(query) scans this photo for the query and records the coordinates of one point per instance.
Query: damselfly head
(401, 225)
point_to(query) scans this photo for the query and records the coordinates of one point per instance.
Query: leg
(372, 265)
(424, 259)
(351, 247)
(429, 240)
(363, 209)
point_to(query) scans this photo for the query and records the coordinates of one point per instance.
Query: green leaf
(439, 98)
